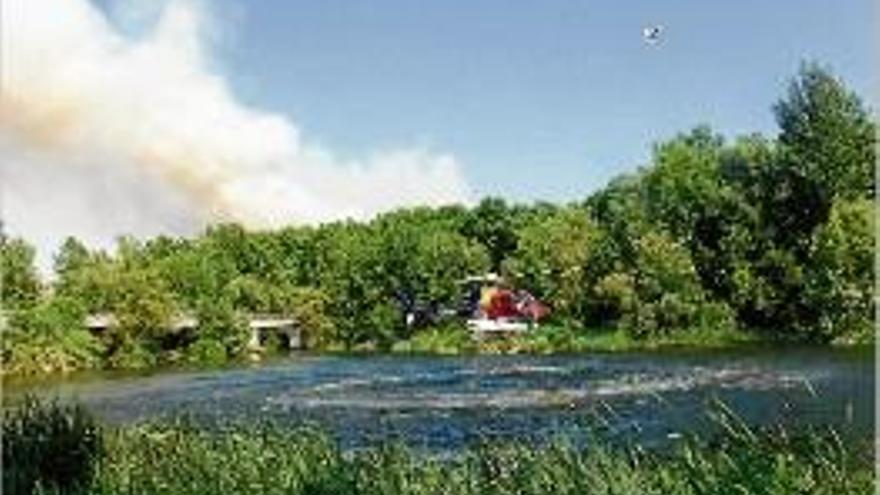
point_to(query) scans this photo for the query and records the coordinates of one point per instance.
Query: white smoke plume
(102, 134)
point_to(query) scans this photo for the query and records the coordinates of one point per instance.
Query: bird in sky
(651, 34)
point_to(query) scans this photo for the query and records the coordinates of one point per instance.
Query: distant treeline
(768, 235)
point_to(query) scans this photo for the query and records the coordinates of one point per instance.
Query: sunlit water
(442, 403)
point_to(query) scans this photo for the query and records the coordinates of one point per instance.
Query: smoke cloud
(102, 134)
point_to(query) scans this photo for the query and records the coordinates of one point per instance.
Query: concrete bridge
(262, 327)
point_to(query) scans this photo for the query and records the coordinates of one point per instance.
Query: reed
(180, 457)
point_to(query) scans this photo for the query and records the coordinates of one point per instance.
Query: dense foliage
(768, 235)
(180, 458)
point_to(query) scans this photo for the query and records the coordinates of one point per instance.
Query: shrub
(49, 336)
(309, 307)
(445, 339)
(206, 351)
(132, 354)
(219, 322)
(661, 293)
(384, 321)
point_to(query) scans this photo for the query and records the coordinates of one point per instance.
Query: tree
(49, 336)
(223, 333)
(308, 307)
(552, 257)
(839, 285)
(492, 224)
(827, 135)
(19, 283)
(727, 233)
(824, 154)
(698, 191)
(191, 274)
(441, 261)
(144, 311)
(424, 256)
(254, 295)
(73, 255)
(684, 185)
(826, 150)
(662, 293)
(93, 284)
(298, 255)
(619, 212)
(349, 271)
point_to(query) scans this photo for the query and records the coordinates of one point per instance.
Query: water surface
(448, 402)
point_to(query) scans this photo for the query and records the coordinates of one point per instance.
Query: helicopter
(651, 34)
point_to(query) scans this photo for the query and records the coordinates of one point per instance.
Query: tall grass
(48, 446)
(180, 458)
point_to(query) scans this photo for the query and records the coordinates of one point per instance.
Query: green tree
(619, 212)
(442, 259)
(684, 185)
(422, 258)
(662, 292)
(222, 333)
(251, 294)
(308, 306)
(349, 271)
(827, 134)
(825, 154)
(298, 256)
(73, 255)
(551, 260)
(49, 336)
(839, 285)
(492, 224)
(83, 275)
(94, 283)
(191, 274)
(19, 283)
(423, 255)
(144, 311)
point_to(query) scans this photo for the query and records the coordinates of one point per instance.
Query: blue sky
(537, 100)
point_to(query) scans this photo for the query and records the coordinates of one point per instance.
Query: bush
(132, 354)
(49, 446)
(837, 285)
(219, 322)
(445, 339)
(384, 321)
(550, 339)
(206, 351)
(661, 294)
(49, 336)
(309, 308)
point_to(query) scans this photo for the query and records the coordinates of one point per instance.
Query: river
(448, 402)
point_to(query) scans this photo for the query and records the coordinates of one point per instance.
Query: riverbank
(63, 450)
(456, 340)
(556, 339)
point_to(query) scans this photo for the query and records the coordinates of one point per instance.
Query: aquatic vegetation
(181, 458)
